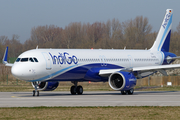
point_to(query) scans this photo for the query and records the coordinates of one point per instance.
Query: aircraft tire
(79, 90)
(33, 92)
(37, 93)
(131, 91)
(73, 90)
(123, 92)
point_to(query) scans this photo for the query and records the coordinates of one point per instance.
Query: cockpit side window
(18, 59)
(35, 59)
(30, 59)
(24, 59)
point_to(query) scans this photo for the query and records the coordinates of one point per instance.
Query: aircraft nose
(16, 72)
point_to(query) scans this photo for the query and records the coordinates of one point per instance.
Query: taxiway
(93, 98)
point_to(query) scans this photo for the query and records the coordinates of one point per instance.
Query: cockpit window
(18, 59)
(30, 59)
(24, 59)
(35, 59)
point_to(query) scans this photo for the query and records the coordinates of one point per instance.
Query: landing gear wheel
(37, 93)
(130, 92)
(79, 90)
(123, 92)
(33, 92)
(76, 89)
(73, 90)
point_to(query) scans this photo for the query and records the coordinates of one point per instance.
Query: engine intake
(122, 80)
(46, 86)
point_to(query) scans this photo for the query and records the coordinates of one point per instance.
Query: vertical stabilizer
(5, 56)
(4, 60)
(162, 41)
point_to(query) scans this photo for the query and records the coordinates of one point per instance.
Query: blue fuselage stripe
(53, 74)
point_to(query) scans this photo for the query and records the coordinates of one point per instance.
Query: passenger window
(24, 59)
(18, 59)
(30, 59)
(35, 60)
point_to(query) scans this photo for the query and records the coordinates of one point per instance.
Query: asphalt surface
(93, 98)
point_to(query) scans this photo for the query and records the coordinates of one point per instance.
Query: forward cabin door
(48, 61)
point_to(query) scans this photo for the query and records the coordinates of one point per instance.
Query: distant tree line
(132, 34)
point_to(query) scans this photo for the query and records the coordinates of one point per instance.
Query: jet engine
(46, 86)
(122, 80)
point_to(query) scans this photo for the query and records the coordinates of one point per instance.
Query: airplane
(121, 68)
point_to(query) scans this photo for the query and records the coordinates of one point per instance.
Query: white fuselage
(76, 64)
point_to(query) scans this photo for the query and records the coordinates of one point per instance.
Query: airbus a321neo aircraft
(45, 68)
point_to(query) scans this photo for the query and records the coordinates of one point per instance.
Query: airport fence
(159, 81)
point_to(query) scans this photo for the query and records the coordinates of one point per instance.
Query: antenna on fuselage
(37, 47)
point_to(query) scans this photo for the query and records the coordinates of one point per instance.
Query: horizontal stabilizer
(173, 58)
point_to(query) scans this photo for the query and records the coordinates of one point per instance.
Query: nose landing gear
(76, 89)
(36, 92)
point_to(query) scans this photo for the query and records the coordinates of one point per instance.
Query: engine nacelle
(46, 86)
(122, 80)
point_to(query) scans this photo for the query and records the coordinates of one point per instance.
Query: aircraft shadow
(45, 94)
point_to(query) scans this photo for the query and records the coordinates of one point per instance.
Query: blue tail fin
(5, 56)
(162, 41)
(4, 60)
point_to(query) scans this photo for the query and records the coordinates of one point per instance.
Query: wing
(5, 58)
(160, 68)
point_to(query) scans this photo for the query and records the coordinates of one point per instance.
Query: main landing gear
(76, 89)
(36, 92)
(129, 92)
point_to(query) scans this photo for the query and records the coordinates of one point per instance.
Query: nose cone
(23, 71)
(17, 72)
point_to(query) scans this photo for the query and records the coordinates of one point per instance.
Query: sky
(20, 16)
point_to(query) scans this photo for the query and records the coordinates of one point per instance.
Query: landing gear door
(48, 61)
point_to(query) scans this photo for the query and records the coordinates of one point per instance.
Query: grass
(22, 86)
(88, 113)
